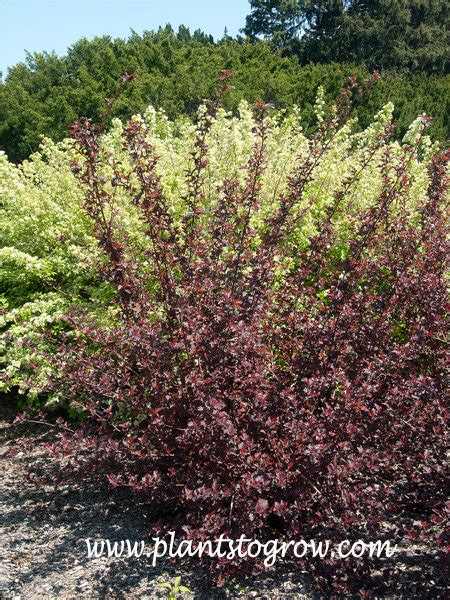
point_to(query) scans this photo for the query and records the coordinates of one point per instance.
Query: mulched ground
(43, 555)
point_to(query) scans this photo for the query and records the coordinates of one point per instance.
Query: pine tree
(402, 34)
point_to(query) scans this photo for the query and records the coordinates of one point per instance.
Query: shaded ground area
(43, 553)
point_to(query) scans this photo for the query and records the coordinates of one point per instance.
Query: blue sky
(37, 25)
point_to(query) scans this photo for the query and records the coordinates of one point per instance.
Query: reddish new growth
(314, 407)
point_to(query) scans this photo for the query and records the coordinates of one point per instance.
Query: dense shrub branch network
(254, 384)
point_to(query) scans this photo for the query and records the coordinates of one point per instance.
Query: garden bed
(44, 554)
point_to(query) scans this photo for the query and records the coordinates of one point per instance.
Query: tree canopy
(402, 34)
(175, 71)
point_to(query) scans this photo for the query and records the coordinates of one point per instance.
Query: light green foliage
(175, 588)
(24, 326)
(49, 258)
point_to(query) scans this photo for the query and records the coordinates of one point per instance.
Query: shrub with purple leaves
(255, 382)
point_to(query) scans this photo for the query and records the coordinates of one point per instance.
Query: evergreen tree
(280, 21)
(403, 34)
(175, 72)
